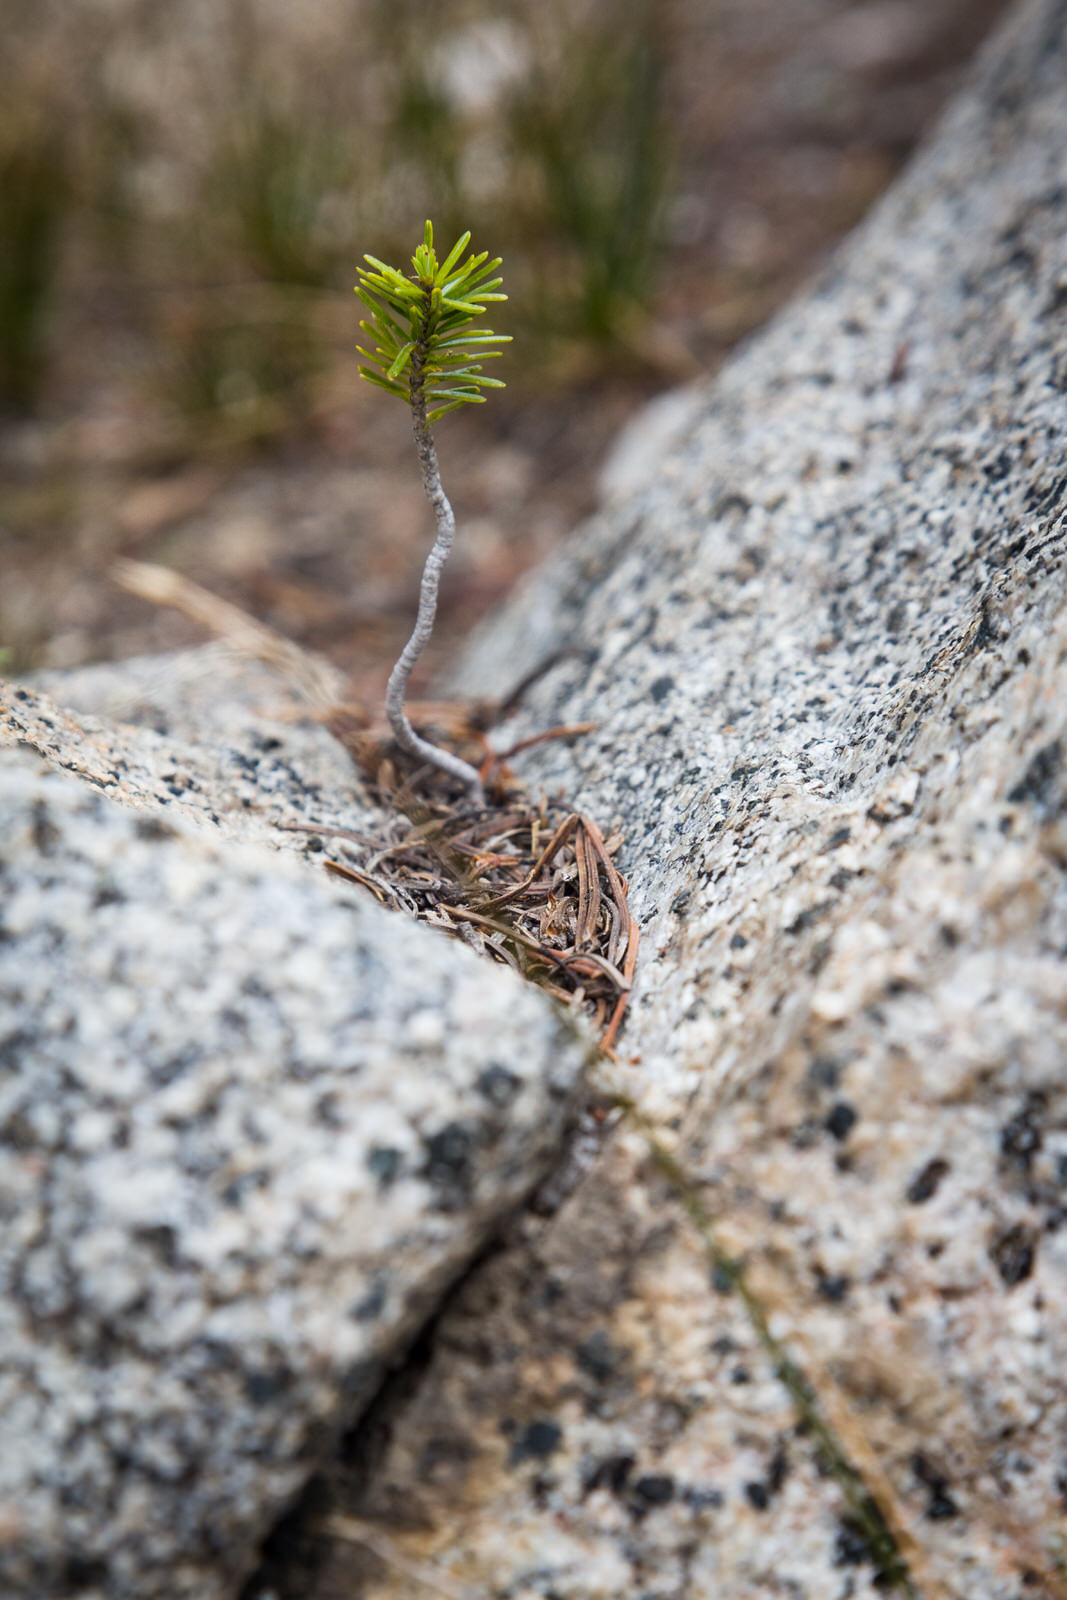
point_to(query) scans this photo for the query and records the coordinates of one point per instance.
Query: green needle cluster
(424, 350)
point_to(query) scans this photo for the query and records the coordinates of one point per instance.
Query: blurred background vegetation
(186, 187)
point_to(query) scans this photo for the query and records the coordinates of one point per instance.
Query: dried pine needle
(556, 911)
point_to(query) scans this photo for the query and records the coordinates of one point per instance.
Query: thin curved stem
(445, 520)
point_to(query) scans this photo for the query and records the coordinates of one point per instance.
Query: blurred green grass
(204, 195)
(34, 199)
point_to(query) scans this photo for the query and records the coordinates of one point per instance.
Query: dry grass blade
(316, 680)
(424, 1574)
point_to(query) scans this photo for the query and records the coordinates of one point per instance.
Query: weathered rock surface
(250, 1126)
(826, 647)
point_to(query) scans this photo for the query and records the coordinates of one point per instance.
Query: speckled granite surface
(250, 1126)
(826, 646)
(197, 736)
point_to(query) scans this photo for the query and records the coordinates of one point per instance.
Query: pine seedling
(424, 350)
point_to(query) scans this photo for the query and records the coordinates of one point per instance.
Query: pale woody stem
(445, 519)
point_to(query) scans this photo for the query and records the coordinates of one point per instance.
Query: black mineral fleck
(653, 1489)
(1013, 1254)
(1021, 1138)
(927, 1181)
(1040, 784)
(850, 1547)
(449, 1155)
(940, 1506)
(598, 1357)
(613, 1472)
(383, 1164)
(536, 1442)
(840, 1120)
(370, 1308)
(498, 1085)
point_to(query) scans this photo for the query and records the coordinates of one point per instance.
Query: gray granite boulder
(251, 1126)
(825, 643)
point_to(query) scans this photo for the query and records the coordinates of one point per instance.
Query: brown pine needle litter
(527, 883)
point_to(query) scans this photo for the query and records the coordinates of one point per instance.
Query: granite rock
(251, 1125)
(825, 645)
